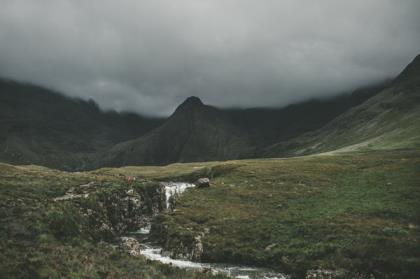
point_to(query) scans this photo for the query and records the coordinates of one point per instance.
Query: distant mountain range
(40, 126)
(388, 120)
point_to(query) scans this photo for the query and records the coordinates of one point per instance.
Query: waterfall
(137, 244)
(175, 188)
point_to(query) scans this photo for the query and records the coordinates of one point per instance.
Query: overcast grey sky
(147, 56)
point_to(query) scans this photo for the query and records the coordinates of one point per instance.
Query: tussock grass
(40, 238)
(357, 211)
(354, 211)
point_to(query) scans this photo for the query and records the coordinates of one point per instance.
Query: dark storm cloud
(147, 56)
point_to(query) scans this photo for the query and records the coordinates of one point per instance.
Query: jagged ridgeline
(42, 127)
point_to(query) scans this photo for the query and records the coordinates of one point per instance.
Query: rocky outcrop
(131, 245)
(113, 209)
(81, 191)
(186, 246)
(202, 182)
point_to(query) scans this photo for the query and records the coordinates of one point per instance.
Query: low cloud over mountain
(148, 56)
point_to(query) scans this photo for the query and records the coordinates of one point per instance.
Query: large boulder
(202, 182)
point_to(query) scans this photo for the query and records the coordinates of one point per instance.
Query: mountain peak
(190, 104)
(411, 73)
(193, 101)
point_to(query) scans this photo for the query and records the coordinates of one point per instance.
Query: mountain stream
(154, 253)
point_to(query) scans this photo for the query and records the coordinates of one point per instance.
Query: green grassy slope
(388, 120)
(355, 211)
(40, 238)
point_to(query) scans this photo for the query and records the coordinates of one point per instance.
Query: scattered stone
(271, 246)
(324, 274)
(412, 226)
(203, 182)
(70, 196)
(71, 190)
(81, 191)
(130, 192)
(88, 185)
(131, 245)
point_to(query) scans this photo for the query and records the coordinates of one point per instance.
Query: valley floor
(355, 212)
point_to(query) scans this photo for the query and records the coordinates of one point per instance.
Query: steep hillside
(42, 127)
(269, 125)
(388, 120)
(195, 132)
(39, 126)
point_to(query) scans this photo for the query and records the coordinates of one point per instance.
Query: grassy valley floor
(357, 211)
(353, 211)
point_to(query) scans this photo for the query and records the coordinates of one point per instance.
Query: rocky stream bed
(136, 243)
(125, 217)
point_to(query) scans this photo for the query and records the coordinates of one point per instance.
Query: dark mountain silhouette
(194, 132)
(197, 132)
(267, 125)
(39, 126)
(390, 119)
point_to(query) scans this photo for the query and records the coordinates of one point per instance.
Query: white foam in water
(154, 254)
(172, 188)
(238, 272)
(144, 230)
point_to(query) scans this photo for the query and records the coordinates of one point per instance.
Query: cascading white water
(155, 253)
(175, 188)
(238, 272)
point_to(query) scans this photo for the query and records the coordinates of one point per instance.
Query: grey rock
(202, 182)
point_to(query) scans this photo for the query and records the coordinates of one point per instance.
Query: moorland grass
(355, 211)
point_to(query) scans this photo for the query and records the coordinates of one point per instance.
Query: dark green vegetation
(42, 238)
(357, 211)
